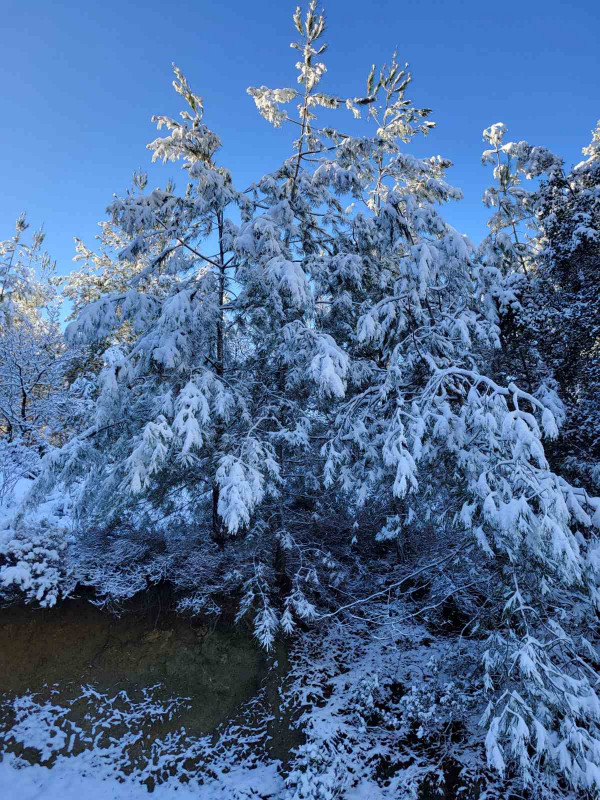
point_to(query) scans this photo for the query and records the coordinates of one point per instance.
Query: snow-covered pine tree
(465, 453)
(508, 259)
(545, 311)
(100, 272)
(36, 409)
(568, 304)
(468, 451)
(308, 269)
(424, 431)
(174, 444)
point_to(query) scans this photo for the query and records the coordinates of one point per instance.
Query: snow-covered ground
(66, 781)
(106, 752)
(381, 706)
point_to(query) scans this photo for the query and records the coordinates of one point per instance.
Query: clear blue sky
(82, 79)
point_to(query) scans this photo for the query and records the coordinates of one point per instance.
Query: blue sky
(81, 81)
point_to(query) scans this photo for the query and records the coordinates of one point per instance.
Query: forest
(312, 410)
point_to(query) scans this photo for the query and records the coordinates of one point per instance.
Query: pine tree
(508, 259)
(176, 431)
(36, 408)
(568, 292)
(424, 430)
(542, 243)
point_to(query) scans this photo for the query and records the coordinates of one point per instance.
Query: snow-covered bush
(319, 774)
(34, 563)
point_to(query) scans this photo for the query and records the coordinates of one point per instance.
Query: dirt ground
(76, 643)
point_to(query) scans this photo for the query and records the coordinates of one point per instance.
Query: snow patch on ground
(66, 782)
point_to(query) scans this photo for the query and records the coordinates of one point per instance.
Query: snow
(116, 758)
(66, 781)
(20, 490)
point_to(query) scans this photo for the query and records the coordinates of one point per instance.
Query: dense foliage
(315, 399)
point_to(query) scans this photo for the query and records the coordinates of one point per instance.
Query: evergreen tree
(533, 264)
(36, 407)
(568, 299)
(509, 258)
